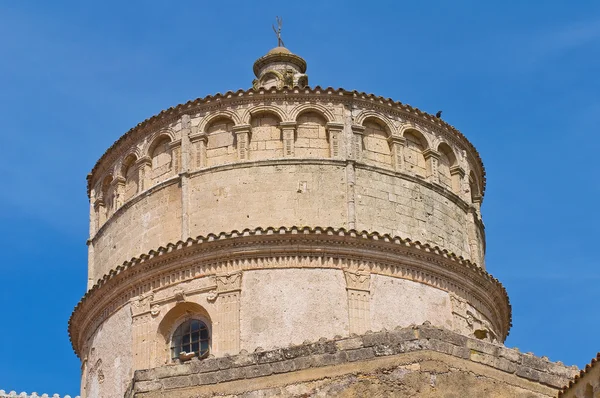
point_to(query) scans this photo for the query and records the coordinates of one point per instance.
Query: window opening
(191, 339)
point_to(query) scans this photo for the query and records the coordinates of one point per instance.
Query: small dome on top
(279, 50)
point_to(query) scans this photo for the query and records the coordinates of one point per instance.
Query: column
(242, 133)
(334, 132)
(432, 159)
(397, 145)
(288, 130)
(357, 141)
(141, 331)
(359, 301)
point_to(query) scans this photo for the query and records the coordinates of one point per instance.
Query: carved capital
(229, 282)
(457, 170)
(201, 136)
(287, 125)
(141, 304)
(358, 280)
(333, 126)
(241, 128)
(395, 139)
(358, 129)
(431, 153)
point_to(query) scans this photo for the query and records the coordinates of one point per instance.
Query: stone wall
(300, 159)
(419, 361)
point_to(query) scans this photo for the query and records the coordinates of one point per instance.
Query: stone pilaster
(242, 134)
(457, 175)
(397, 145)
(118, 188)
(198, 142)
(144, 166)
(288, 130)
(432, 159)
(175, 148)
(334, 132)
(357, 141)
(185, 166)
(227, 329)
(358, 286)
(142, 329)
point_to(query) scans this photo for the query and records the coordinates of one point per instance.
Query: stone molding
(291, 247)
(317, 94)
(453, 197)
(544, 374)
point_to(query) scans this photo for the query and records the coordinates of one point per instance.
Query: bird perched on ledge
(438, 114)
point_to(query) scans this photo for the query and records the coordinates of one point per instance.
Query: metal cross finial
(278, 32)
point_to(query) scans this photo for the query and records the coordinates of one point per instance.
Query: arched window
(191, 339)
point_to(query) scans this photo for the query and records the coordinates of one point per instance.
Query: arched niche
(446, 161)
(108, 199)
(129, 171)
(414, 159)
(376, 146)
(162, 162)
(311, 135)
(266, 141)
(221, 146)
(181, 312)
(474, 187)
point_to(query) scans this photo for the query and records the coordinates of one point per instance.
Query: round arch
(364, 116)
(224, 114)
(320, 109)
(156, 138)
(417, 132)
(444, 148)
(250, 112)
(172, 319)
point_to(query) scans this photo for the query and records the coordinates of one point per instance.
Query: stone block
(172, 371)
(258, 370)
(482, 346)
(401, 335)
(176, 382)
(370, 340)
(509, 354)
(535, 363)
(269, 356)
(147, 386)
(349, 344)
(205, 378)
(207, 365)
(360, 354)
(143, 375)
(528, 373)
(283, 366)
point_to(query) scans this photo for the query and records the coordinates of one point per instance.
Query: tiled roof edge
(579, 376)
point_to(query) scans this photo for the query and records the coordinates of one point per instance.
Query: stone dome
(279, 50)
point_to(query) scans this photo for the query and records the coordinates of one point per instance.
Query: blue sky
(518, 78)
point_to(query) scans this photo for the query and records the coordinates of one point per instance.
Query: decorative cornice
(249, 249)
(217, 101)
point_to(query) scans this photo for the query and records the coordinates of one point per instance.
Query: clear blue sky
(518, 78)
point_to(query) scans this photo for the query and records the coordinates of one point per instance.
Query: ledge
(382, 254)
(360, 349)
